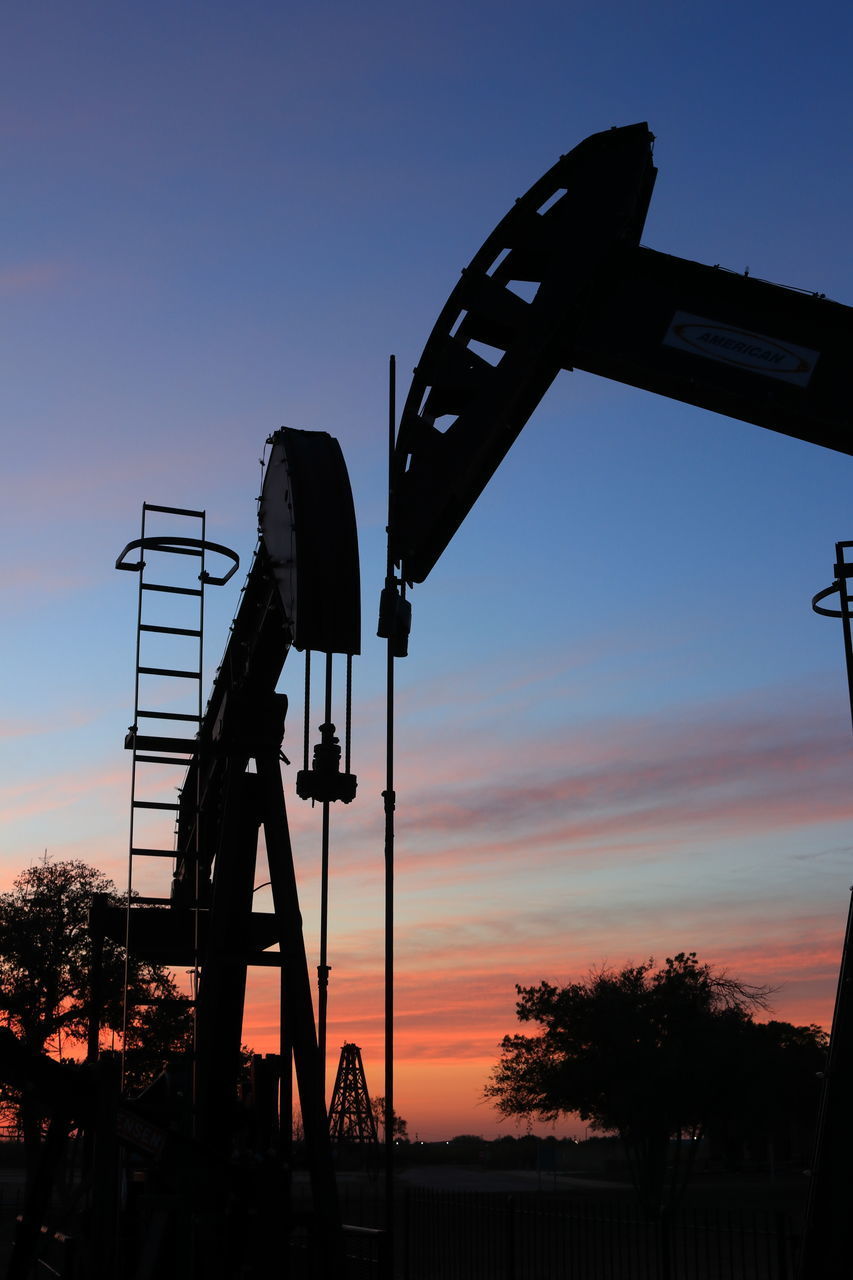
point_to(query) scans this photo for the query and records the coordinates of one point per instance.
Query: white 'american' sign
(754, 352)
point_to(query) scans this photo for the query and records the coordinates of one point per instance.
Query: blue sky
(622, 731)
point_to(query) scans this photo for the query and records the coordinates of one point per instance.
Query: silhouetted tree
(772, 1113)
(648, 1054)
(401, 1127)
(45, 963)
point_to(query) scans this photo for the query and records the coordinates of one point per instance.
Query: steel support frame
(252, 801)
(298, 1012)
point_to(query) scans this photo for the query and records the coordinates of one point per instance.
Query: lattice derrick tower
(350, 1115)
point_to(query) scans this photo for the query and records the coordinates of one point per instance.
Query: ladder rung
(168, 671)
(160, 760)
(151, 742)
(169, 631)
(175, 591)
(166, 715)
(153, 853)
(157, 804)
(172, 511)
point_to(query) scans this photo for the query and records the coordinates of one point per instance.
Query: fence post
(665, 1239)
(406, 1233)
(783, 1235)
(510, 1238)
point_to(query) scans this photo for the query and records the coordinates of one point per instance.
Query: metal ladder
(167, 678)
(167, 684)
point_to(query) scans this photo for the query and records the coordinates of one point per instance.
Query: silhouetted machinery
(561, 283)
(196, 1202)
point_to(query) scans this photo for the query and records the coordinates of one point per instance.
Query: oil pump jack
(164, 1190)
(561, 283)
(303, 590)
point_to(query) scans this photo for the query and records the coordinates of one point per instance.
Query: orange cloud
(639, 838)
(455, 992)
(58, 791)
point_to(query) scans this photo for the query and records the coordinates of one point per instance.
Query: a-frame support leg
(222, 986)
(299, 1013)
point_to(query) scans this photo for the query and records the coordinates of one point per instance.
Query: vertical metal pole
(825, 1252)
(285, 1090)
(323, 967)
(125, 1011)
(348, 724)
(307, 716)
(844, 600)
(389, 799)
(196, 845)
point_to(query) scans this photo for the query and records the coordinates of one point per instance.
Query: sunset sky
(622, 732)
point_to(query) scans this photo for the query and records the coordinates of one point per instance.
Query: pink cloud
(16, 729)
(60, 791)
(33, 277)
(642, 779)
(640, 791)
(41, 577)
(633, 791)
(78, 481)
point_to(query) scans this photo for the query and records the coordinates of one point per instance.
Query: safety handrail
(178, 544)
